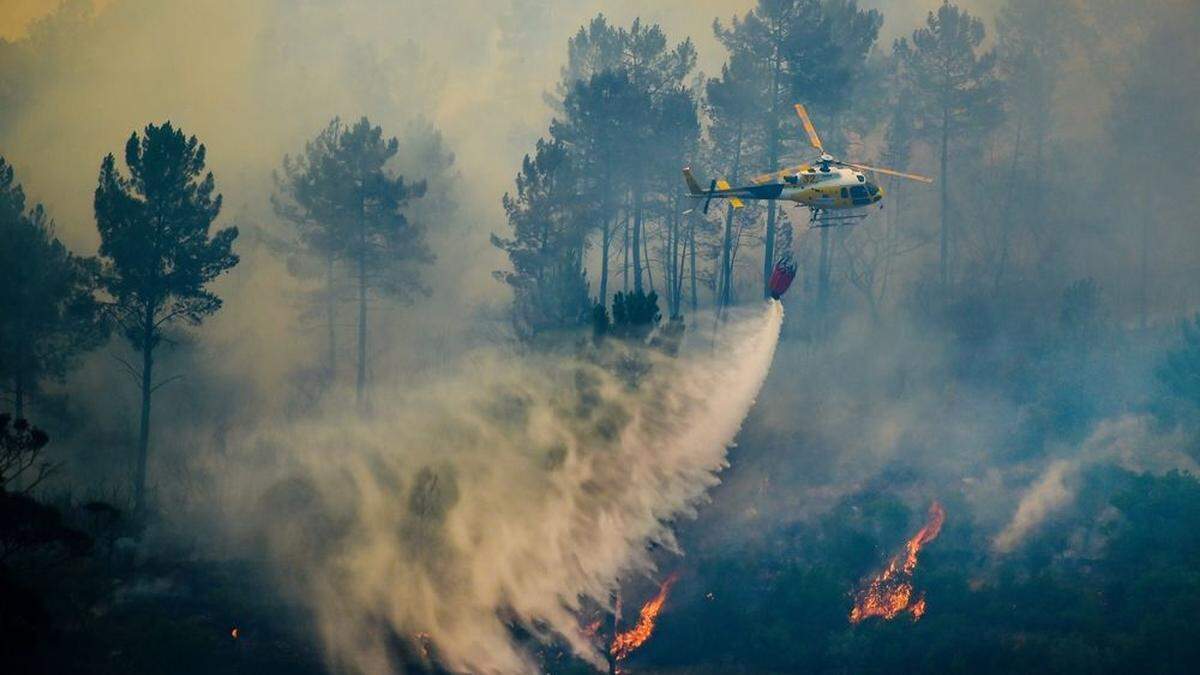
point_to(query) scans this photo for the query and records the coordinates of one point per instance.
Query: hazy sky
(254, 79)
(17, 15)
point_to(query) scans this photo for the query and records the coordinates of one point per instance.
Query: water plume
(498, 500)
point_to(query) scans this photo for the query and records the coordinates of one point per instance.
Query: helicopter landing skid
(821, 219)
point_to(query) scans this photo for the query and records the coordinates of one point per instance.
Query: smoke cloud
(1127, 442)
(1048, 494)
(500, 497)
(492, 493)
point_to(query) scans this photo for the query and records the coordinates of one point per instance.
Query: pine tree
(547, 246)
(953, 87)
(48, 312)
(311, 205)
(157, 251)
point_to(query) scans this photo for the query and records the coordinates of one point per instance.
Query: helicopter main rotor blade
(780, 174)
(890, 172)
(809, 129)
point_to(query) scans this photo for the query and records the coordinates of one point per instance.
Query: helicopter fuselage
(831, 189)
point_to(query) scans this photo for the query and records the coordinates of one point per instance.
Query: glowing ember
(891, 591)
(589, 631)
(423, 640)
(625, 643)
(234, 633)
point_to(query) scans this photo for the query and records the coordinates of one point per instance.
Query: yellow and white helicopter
(834, 191)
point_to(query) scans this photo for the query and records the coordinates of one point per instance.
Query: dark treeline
(1048, 274)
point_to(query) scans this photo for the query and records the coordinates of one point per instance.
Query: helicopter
(834, 191)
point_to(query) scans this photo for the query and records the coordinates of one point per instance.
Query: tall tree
(616, 84)
(349, 206)
(674, 139)
(157, 250)
(595, 48)
(731, 106)
(953, 86)
(547, 246)
(383, 247)
(666, 127)
(1033, 39)
(603, 122)
(1157, 134)
(48, 312)
(311, 205)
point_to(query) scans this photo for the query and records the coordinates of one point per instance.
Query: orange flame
(625, 643)
(891, 591)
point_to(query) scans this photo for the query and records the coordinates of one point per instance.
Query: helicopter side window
(862, 179)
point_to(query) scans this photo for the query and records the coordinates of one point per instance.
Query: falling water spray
(499, 500)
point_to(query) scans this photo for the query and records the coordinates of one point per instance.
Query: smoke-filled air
(507, 337)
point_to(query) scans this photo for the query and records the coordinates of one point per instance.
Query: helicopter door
(859, 195)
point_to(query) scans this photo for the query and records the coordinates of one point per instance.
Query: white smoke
(1127, 441)
(1048, 494)
(502, 497)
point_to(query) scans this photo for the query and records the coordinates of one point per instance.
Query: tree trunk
(676, 264)
(605, 241)
(139, 485)
(772, 163)
(330, 317)
(18, 396)
(945, 198)
(668, 264)
(636, 241)
(360, 383)
(677, 260)
(724, 294)
(361, 380)
(609, 220)
(1005, 224)
(724, 285)
(692, 253)
(646, 256)
(625, 252)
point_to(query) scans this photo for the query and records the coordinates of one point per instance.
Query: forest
(376, 337)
